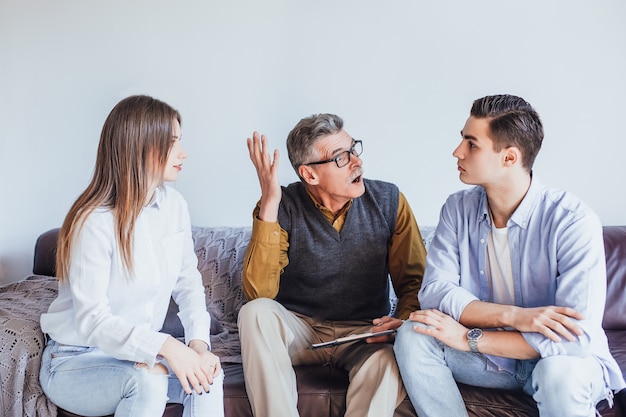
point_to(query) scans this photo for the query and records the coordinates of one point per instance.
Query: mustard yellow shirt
(266, 256)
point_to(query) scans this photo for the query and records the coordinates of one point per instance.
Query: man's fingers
(550, 334)
(427, 316)
(259, 154)
(562, 322)
(276, 158)
(567, 328)
(571, 326)
(569, 313)
(254, 147)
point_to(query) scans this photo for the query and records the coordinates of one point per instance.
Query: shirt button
(275, 233)
(482, 240)
(482, 272)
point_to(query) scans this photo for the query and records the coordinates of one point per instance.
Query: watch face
(474, 333)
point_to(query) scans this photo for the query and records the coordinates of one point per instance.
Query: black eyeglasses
(343, 158)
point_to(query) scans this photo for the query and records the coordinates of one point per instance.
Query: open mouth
(358, 176)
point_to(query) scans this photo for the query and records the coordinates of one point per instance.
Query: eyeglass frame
(335, 159)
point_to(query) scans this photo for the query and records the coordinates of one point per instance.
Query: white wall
(402, 74)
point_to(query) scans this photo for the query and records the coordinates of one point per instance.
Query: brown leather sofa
(322, 389)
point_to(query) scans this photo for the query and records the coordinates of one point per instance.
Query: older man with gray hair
(317, 268)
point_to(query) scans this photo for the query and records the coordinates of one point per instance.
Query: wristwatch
(472, 338)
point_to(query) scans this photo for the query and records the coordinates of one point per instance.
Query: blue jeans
(86, 381)
(561, 385)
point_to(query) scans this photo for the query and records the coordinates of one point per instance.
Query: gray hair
(302, 138)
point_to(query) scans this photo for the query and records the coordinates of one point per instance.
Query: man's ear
(512, 156)
(308, 174)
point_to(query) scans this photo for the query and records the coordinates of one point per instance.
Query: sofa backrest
(220, 253)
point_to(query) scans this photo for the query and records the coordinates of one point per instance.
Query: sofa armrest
(21, 345)
(615, 248)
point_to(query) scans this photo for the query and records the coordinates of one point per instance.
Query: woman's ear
(308, 174)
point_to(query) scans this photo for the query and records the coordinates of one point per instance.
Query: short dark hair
(512, 122)
(302, 138)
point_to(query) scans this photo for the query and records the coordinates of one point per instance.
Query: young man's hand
(442, 327)
(551, 321)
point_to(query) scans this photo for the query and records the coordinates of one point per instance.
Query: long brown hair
(134, 145)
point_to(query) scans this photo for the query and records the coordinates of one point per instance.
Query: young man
(515, 283)
(317, 268)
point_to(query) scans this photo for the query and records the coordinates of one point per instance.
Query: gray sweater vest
(338, 275)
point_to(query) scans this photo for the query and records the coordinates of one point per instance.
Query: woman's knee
(157, 369)
(149, 383)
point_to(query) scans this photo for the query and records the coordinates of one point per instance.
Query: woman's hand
(194, 366)
(211, 360)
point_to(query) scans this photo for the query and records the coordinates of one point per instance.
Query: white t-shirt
(499, 267)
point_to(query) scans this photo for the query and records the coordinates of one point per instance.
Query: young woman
(124, 248)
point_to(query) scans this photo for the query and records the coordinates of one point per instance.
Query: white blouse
(100, 305)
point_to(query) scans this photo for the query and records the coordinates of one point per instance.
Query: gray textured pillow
(220, 252)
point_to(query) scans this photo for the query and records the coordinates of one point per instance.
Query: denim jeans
(561, 385)
(86, 381)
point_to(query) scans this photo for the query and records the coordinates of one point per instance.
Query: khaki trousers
(273, 339)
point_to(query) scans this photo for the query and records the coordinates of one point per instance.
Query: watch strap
(473, 344)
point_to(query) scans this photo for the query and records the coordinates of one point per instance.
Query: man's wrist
(473, 336)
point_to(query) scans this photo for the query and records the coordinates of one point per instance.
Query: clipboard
(351, 338)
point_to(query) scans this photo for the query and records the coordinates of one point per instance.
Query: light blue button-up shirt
(557, 256)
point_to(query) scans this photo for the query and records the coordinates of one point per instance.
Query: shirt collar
(483, 213)
(522, 213)
(521, 216)
(326, 212)
(157, 200)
